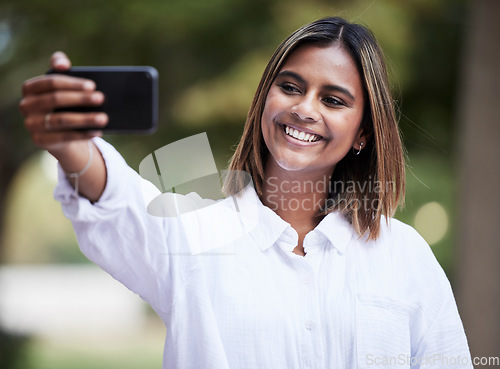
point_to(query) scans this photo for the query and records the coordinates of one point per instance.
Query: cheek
(275, 104)
(271, 110)
(348, 125)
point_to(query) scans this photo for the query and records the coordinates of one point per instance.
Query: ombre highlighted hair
(364, 187)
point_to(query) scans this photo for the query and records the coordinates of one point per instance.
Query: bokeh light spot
(431, 221)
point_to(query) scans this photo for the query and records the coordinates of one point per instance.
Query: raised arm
(58, 132)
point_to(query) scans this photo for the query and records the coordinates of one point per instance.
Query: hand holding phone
(131, 96)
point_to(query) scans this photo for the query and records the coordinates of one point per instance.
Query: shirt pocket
(382, 332)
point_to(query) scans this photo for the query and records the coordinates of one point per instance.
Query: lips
(301, 135)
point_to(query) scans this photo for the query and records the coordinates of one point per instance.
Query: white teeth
(299, 135)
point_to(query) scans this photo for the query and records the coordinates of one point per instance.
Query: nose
(306, 109)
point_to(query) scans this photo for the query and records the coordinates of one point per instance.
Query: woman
(323, 277)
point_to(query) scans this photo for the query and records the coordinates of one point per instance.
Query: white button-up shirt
(233, 295)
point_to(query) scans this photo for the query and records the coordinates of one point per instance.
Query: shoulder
(403, 239)
(399, 247)
(402, 254)
(410, 252)
(392, 228)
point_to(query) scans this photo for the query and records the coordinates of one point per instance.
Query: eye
(333, 101)
(288, 88)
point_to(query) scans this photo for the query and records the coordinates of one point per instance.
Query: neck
(298, 198)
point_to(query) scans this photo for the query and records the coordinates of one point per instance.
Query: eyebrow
(337, 88)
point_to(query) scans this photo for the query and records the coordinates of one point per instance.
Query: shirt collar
(267, 227)
(337, 230)
(270, 227)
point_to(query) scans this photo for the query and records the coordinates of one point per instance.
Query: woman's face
(313, 111)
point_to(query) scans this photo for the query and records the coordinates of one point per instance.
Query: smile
(300, 135)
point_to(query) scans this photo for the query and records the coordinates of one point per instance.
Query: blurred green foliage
(203, 49)
(131, 354)
(210, 55)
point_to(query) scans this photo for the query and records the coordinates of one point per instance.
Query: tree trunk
(478, 284)
(15, 147)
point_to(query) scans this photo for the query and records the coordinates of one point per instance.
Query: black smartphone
(131, 96)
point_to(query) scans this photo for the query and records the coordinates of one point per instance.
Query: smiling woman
(325, 91)
(311, 96)
(307, 269)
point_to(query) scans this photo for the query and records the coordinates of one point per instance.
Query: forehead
(327, 64)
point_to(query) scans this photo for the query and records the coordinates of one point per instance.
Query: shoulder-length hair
(363, 187)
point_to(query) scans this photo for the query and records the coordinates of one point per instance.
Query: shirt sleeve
(119, 235)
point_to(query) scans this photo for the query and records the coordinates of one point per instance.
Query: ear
(362, 138)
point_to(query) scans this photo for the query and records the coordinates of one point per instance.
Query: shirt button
(309, 325)
(306, 280)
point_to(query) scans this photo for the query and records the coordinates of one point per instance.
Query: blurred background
(57, 310)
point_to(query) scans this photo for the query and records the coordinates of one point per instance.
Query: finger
(46, 103)
(59, 61)
(48, 139)
(67, 121)
(53, 82)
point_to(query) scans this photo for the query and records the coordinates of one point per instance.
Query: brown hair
(375, 177)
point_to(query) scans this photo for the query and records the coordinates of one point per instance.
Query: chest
(281, 295)
(310, 304)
